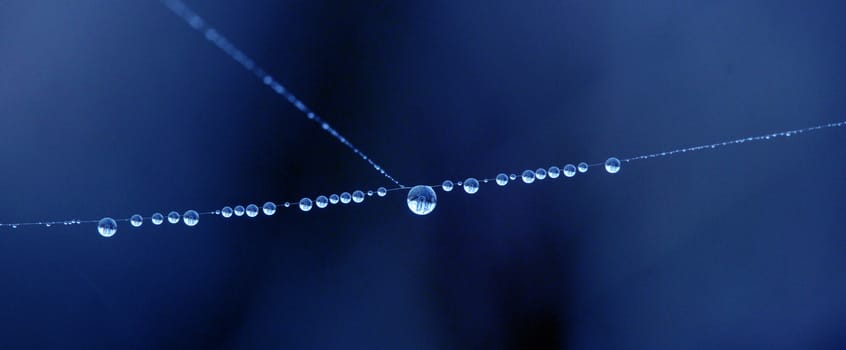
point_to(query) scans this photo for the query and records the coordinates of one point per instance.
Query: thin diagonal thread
(213, 36)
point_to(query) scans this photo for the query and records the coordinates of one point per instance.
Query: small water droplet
(136, 220)
(447, 185)
(528, 176)
(191, 218)
(156, 219)
(107, 227)
(471, 185)
(305, 204)
(358, 196)
(268, 208)
(252, 210)
(502, 179)
(612, 165)
(321, 201)
(173, 217)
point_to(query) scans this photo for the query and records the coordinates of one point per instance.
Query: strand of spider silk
(214, 37)
(381, 192)
(765, 137)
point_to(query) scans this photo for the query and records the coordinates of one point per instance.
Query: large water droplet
(422, 200)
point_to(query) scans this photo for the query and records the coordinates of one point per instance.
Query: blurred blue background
(110, 108)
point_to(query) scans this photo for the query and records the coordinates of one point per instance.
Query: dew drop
(268, 208)
(287, 204)
(540, 174)
(381, 191)
(226, 212)
(191, 218)
(252, 210)
(370, 193)
(502, 179)
(421, 200)
(583, 167)
(358, 196)
(239, 210)
(321, 201)
(512, 177)
(554, 172)
(447, 185)
(305, 204)
(528, 176)
(346, 197)
(136, 220)
(173, 217)
(569, 170)
(107, 227)
(334, 199)
(157, 219)
(612, 165)
(471, 185)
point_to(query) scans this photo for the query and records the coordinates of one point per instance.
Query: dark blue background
(113, 108)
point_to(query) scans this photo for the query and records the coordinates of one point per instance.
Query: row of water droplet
(421, 199)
